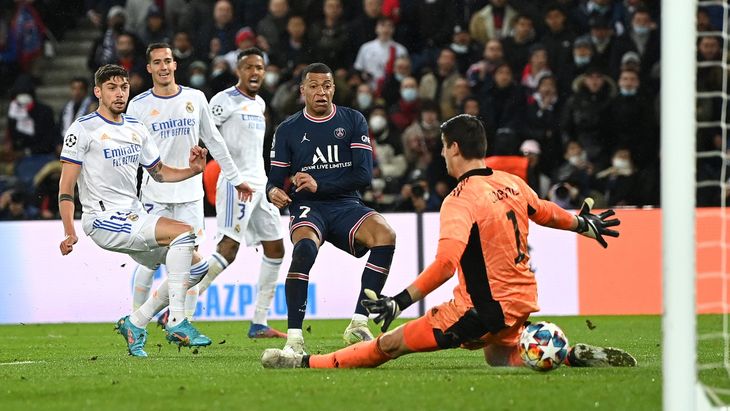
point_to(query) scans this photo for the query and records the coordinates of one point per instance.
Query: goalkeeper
(483, 237)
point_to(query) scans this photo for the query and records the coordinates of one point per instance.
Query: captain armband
(65, 197)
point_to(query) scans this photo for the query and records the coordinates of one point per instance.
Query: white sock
(267, 287)
(191, 297)
(294, 334)
(159, 300)
(359, 317)
(179, 259)
(216, 265)
(143, 278)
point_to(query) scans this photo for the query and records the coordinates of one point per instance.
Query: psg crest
(340, 133)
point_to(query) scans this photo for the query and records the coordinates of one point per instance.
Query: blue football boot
(186, 335)
(134, 336)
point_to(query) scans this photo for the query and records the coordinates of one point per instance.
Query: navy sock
(297, 281)
(375, 273)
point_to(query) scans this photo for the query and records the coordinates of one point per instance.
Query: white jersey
(242, 124)
(177, 123)
(109, 154)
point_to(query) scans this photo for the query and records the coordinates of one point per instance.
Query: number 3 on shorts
(305, 211)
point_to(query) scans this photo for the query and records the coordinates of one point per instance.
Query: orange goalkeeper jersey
(484, 228)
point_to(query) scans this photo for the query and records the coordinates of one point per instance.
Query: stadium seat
(27, 167)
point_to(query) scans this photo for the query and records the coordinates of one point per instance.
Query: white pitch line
(20, 362)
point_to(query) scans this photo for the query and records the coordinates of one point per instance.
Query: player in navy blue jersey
(326, 151)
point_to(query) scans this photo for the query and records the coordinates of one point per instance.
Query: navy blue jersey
(334, 150)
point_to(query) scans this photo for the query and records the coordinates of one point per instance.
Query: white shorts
(189, 213)
(249, 223)
(131, 232)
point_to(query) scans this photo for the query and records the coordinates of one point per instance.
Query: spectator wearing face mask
(580, 61)
(184, 54)
(467, 50)
(405, 110)
(221, 76)
(602, 40)
(387, 145)
(364, 99)
(619, 182)
(633, 121)
(641, 38)
(390, 89)
(576, 167)
(198, 74)
(586, 115)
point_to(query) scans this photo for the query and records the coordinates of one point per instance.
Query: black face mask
(118, 26)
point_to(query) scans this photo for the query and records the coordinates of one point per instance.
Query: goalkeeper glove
(387, 308)
(595, 226)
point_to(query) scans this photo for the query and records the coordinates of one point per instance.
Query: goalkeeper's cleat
(134, 336)
(276, 358)
(163, 318)
(584, 355)
(356, 332)
(295, 345)
(264, 331)
(185, 335)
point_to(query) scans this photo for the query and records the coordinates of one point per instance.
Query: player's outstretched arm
(66, 206)
(162, 173)
(596, 226)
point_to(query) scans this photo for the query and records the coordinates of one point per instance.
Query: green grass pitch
(85, 367)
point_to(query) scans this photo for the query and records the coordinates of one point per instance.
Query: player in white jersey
(177, 117)
(239, 113)
(102, 151)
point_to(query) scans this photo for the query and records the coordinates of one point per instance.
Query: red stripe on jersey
(363, 146)
(279, 164)
(320, 119)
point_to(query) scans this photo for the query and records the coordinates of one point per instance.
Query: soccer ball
(543, 346)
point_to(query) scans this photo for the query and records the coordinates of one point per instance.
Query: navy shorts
(335, 221)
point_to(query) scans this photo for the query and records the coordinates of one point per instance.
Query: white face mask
(409, 94)
(581, 60)
(628, 92)
(399, 77)
(24, 99)
(578, 159)
(271, 79)
(197, 80)
(459, 48)
(364, 100)
(641, 30)
(217, 72)
(621, 163)
(377, 124)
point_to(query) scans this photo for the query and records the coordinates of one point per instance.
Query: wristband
(403, 299)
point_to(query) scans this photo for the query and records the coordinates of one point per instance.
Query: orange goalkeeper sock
(366, 354)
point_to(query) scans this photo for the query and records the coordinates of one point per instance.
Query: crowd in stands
(567, 89)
